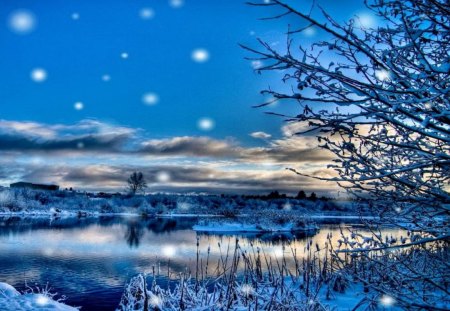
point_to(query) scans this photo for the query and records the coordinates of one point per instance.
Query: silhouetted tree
(274, 195)
(136, 182)
(313, 196)
(301, 195)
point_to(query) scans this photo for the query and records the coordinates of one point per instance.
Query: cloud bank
(95, 155)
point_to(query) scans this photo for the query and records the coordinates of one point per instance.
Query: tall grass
(313, 278)
(243, 279)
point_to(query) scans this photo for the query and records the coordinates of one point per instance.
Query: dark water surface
(90, 260)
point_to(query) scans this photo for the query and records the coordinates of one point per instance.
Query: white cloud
(261, 135)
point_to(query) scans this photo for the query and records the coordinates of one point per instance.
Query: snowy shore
(12, 300)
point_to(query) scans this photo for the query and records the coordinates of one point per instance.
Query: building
(28, 185)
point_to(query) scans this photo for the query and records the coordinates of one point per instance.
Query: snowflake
(176, 3)
(200, 55)
(387, 301)
(106, 78)
(156, 301)
(206, 124)
(150, 99)
(22, 22)
(247, 289)
(42, 300)
(310, 32)
(146, 13)
(78, 106)
(256, 64)
(382, 75)
(162, 177)
(366, 20)
(124, 55)
(38, 75)
(75, 16)
(287, 206)
(169, 251)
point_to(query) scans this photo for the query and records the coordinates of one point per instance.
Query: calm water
(90, 260)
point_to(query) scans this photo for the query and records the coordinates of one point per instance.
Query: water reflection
(135, 231)
(90, 259)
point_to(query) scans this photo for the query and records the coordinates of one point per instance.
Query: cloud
(261, 135)
(182, 178)
(88, 135)
(96, 155)
(189, 146)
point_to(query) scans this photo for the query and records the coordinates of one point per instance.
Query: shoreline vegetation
(21, 201)
(318, 277)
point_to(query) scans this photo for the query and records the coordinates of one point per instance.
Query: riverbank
(26, 201)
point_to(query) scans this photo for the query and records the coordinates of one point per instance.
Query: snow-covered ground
(12, 300)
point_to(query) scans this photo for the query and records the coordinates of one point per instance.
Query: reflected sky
(87, 258)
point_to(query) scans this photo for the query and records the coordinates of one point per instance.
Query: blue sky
(78, 43)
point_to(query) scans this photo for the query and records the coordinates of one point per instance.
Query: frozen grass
(253, 280)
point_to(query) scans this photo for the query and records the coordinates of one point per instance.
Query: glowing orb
(78, 106)
(22, 22)
(38, 75)
(146, 13)
(176, 3)
(42, 300)
(163, 177)
(150, 98)
(75, 16)
(387, 301)
(200, 55)
(169, 251)
(206, 124)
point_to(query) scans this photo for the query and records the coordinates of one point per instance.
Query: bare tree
(378, 99)
(136, 182)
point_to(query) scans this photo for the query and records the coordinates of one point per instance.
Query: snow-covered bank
(12, 300)
(34, 202)
(245, 227)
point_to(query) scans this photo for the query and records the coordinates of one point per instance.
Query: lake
(89, 260)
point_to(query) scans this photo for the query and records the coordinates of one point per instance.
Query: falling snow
(163, 177)
(146, 13)
(150, 99)
(38, 75)
(78, 106)
(176, 3)
(206, 124)
(75, 16)
(200, 55)
(22, 22)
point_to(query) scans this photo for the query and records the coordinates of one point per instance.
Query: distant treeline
(301, 195)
